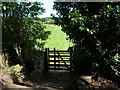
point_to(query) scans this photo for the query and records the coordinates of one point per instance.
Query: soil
(57, 80)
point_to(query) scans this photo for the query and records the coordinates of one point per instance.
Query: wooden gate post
(54, 58)
(71, 58)
(46, 60)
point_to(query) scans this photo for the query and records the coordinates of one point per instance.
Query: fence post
(71, 58)
(54, 59)
(46, 60)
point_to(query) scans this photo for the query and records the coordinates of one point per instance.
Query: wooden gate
(58, 59)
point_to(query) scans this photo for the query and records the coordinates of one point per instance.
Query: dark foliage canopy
(95, 29)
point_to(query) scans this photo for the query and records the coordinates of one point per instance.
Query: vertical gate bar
(46, 60)
(54, 59)
(48, 63)
(71, 64)
(59, 61)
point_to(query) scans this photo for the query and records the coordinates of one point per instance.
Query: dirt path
(59, 80)
(52, 80)
(55, 80)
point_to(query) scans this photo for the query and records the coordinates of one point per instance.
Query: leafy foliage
(21, 29)
(95, 29)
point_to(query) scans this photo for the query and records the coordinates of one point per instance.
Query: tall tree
(95, 29)
(21, 30)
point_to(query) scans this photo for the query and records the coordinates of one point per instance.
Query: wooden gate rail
(63, 61)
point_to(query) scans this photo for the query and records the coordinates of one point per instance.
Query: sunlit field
(57, 39)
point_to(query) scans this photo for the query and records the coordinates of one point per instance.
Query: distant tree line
(47, 20)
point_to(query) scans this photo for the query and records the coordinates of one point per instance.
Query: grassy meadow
(57, 39)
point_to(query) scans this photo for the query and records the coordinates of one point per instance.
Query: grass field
(57, 39)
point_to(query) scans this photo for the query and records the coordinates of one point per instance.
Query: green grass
(57, 39)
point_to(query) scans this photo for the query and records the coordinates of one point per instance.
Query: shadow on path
(54, 80)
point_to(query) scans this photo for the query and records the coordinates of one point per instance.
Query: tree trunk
(27, 60)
